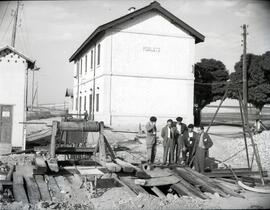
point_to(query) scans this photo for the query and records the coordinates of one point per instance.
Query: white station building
(13, 69)
(137, 66)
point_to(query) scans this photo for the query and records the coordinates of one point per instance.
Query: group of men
(181, 144)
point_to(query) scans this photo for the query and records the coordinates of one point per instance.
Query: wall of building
(146, 69)
(12, 84)
(152, 68)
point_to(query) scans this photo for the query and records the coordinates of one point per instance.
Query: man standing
(168, 142)
(151, 139)
(189, 145)
(181, 135)
(203, 142)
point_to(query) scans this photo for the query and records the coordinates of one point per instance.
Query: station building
(136, 66)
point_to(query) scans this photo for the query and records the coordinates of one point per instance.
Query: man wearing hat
(151, 139)
(181, 135)
(192, 136)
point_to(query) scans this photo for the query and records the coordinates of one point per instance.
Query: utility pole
(15, 25)
(33, 86)
(245, 91)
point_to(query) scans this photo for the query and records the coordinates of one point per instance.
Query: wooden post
(222, 100)
(102, 150)
(53, 142)
(244, 130)
(257, 157)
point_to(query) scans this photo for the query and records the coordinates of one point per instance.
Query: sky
(50, 31)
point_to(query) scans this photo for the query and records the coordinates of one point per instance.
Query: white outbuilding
(14, 67)
(136, 66)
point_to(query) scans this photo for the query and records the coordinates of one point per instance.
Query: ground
(227, 141)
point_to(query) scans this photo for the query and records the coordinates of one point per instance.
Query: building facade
(13, 69)
(137, 66)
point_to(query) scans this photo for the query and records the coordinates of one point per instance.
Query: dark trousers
(199, 159)
(151, 152)
(168, 146)
(179, 144)
(187, 156)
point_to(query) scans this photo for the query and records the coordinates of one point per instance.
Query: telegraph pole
(15, 25)
(245, 91)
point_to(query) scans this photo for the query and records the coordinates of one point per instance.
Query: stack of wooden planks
(184, 181)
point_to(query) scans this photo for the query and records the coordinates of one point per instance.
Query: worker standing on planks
(167, 133)
(202, 142)
(151, 139)
(189, 145)
(181, 134)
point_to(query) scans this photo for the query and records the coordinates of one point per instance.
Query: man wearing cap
(151, 139)
(181, 135)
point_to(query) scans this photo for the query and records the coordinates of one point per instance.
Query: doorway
(6, 112)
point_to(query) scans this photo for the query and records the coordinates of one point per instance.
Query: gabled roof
(154, 6)
(30, 62)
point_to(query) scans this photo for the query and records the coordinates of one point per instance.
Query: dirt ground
(227, 141)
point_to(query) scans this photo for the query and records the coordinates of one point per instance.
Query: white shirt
(190, 134)
(178, 127)
(169, 133)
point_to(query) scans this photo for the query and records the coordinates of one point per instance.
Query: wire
(2, 18)
(7, 29)
(216, 83)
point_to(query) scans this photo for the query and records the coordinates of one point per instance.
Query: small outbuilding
(14, 68)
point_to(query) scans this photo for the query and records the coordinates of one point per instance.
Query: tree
(258, 76)
(210, 81)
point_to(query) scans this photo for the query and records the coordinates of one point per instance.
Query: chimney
(131, 9)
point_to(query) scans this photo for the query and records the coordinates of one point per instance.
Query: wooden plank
(182, 190)
(53, 141)
(53, 188)
(43, 188)
(215, 184)
(158, 172)
(195, 191)
(158, 192)
(159, 181)
(112, 167)
(41, 166)
(32, 190)
(63, 184)
(238, 173)
(130, 182)
(126, 167)
(109, 148)
(18, 188)
(191, 178)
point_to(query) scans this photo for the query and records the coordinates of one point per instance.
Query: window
(97, 102)
(98, 54)
(90, 103)
(85, 63)
(81, 66)
(80, 104)
(84, 103)
(92, 58)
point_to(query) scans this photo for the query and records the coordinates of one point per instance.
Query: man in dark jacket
(151, 139)
(181, 135)
(167, 133)
(189, 145)
(202, 142)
